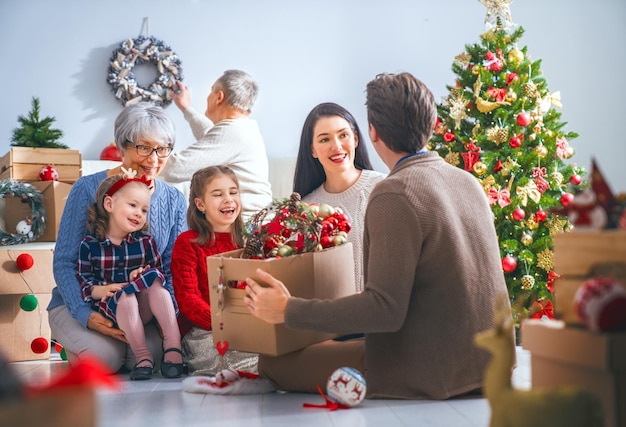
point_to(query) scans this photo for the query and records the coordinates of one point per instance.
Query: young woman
(215, 226)
(119, 271)
(333, 168)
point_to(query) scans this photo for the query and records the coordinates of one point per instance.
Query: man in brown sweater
(432, 270)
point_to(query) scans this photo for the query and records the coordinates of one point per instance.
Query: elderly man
(226, 135)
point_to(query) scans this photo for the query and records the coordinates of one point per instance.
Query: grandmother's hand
(97, 322)
(181, 96)
(267, 302)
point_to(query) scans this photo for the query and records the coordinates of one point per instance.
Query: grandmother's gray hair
(144, 121)
(240, 89)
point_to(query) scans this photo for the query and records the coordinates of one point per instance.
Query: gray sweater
(432, 272)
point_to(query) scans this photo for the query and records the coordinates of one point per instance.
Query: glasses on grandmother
(146, 150)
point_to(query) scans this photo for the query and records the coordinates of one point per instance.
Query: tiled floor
(160, 402)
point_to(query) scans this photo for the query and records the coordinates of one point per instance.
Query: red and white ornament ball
(346, 386)
(48, 173)
(600, 303)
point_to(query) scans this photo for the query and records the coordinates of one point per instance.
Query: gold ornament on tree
(498, 14)
(528, 282)
(515, 56)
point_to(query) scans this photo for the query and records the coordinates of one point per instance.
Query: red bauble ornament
(110, 152)
(541, 216)
(600, 303)
(24, 261)
(523, 119)
(515, 142)
(519, 214)
(48, 173)
(576, 179)
(39, 345)
(509, 263)
(567, 199)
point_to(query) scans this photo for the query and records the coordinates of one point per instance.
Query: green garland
(27, 193)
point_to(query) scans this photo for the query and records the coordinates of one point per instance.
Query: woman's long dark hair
(309, 173)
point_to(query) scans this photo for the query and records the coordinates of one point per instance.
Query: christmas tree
(500, 123)
(35, 132)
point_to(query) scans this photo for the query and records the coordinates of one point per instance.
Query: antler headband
(129, 175)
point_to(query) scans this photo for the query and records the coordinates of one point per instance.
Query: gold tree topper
(498, 10)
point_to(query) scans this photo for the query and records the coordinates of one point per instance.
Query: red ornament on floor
(48, 173)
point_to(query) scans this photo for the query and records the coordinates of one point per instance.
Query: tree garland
(28, 194)
(144, 50)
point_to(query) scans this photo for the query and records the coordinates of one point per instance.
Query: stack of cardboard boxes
(564, 352)
(19, 327)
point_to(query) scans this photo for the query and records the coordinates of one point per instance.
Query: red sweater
(190, 278)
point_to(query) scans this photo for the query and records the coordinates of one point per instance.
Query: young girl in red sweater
(215, 226)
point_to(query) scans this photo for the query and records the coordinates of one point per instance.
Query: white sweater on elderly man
(236, 143)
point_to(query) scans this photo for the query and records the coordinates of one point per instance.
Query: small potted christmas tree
(35, 132)
(36, 146)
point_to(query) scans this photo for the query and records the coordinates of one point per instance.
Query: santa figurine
(585, 213)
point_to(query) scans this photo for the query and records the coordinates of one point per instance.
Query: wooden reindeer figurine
(549, 407)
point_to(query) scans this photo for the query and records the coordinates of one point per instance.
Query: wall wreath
(32, 227)
(144, 50)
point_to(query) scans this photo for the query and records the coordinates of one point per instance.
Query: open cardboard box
(569, 355)
(18, 328)
(328, 274)
(579, 256)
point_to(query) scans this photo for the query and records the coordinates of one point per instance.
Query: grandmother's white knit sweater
(353, 202)
(236, 143)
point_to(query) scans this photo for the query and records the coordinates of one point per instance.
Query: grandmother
(145, 137)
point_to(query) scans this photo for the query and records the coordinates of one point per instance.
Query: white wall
(303, 53)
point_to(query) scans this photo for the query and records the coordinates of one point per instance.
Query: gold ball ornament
(557, 177)
(476, 70)
(541, 151)
(511, 96)
(480, 168)
(531, 223)
(515, 56)
(528, 282)
(527, 239)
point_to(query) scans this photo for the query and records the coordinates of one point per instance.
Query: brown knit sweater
(432, 272)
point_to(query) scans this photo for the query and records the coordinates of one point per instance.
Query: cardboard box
(54, 196)
(328, 274)
(25, 163)
(582, 255)
(72, 406)
(569, 355)
(18, 328)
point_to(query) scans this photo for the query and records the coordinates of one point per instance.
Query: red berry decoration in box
(600, 303)
(48, 173)
(290, 226)
(110, 152)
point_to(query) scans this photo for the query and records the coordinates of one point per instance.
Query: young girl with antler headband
(120, 271)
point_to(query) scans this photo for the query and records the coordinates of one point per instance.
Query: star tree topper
(498, 10)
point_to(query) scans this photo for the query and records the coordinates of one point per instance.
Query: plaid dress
(100, 262)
